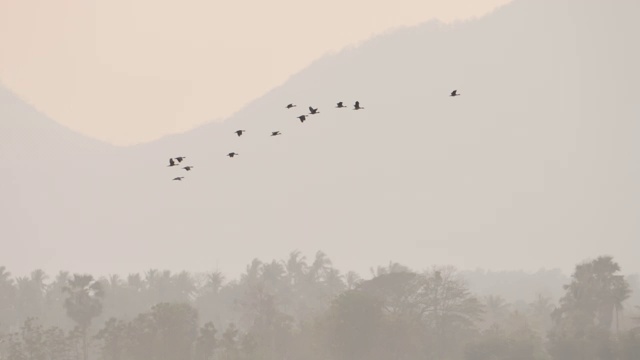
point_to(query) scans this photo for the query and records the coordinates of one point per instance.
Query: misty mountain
(536, 162)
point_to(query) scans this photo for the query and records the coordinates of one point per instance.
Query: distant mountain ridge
(533, 165)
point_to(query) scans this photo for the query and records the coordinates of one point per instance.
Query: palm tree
(183, 287)
(319, 266)
(272, 275)
(615, 290)
(253, 273)
(352, 280)
(295, 267)
(215, 280)
(334, 282)
(497, 309)
(7, 299)
(595, 294)
(541, 310)
(393, 267)
(54, 300)
(84, 302)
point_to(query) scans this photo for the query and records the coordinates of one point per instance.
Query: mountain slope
(534, 165)
(47, 173)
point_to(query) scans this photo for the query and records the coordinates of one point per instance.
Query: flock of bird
(312, 111)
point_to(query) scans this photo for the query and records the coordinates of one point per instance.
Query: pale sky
(543, 175)
(131, 71)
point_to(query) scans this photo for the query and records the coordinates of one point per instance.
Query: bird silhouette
(171, 162)
(356, 106)
(339, 105)
(302, 118)
(188, 168)
(313, 111)
(275, 133)
(180, 158)
(290, 106)
(239, 132)
(455, 93)
(232, 154)
(179, 178)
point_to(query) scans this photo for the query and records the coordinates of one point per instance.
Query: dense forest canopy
(299, 308)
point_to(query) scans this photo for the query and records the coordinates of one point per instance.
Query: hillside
(536, 161)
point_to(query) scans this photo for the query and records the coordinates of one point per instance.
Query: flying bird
(356, 106)
(302, 118)
(455, 93)
(232, 154)
(171, 162)
(188, 168)
(239, 132)
(313, 111)
(290, 106)
(275, 133)
(339, 105)
(180, 158)
(179, 178)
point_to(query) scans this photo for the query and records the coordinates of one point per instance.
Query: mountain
(47, 173)
(534, 165)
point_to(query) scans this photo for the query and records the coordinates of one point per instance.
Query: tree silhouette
(7, 299)
(206, 342)
(177, 329)
(583, 321)
(84, 302)
(114, 339)
(229, 343)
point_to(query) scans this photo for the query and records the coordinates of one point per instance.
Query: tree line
(300, 309)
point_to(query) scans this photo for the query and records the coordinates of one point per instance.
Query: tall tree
(31, 295)
(583, 321)
(54, 302)
(449, 310)
(541, 310)
(206, 342)
(352, 325)
(496, 310)
(295, 267)
(595, 294)
(177, 329)
(84, 302)
(229, 348)
(7, 300)
(208, 300)
(114, 339)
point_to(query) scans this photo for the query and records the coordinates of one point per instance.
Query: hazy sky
(542, 175)
(131, 71)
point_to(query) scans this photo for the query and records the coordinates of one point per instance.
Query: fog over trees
(303, 307)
